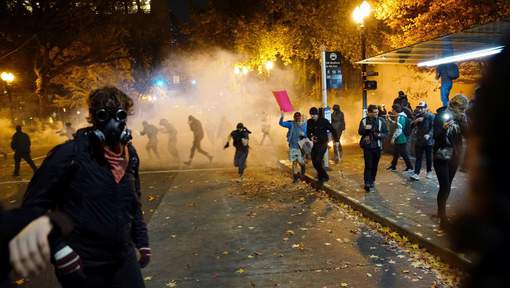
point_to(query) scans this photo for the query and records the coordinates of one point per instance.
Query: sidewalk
(408, 207)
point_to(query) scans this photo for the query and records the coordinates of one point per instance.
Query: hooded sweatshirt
(399, 137)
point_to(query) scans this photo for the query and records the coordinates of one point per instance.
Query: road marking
(193, 170)
(14, 182)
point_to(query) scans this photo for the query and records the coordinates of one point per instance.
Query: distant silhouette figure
(21, 145)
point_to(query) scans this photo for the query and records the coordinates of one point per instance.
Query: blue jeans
(445, 92)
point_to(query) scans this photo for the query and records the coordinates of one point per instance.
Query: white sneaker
(409, 171)
(430, 175)
(415, 177)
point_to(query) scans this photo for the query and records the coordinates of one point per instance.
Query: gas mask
(111, 127)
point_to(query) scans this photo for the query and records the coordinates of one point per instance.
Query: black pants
(401, 150)
(445, 171)
(371, 157)
(318, 151)
(126, 274)
(240, 160)
(196, 147)
(25, 156)
(418, 150)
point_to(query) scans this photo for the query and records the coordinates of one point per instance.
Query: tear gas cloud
(204, 85)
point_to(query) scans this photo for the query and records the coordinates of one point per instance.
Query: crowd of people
(437, 136)
(95, 235)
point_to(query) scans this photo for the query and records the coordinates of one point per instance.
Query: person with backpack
(400, 138)
(447, 73)
(296, 132)
(372, 130)
(240, 138)
(94, 180)
(423, 126)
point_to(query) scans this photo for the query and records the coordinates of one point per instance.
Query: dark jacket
(196, 128)
(320, 130)
(376, 133)
(76, 180)
(20, 142)
(426, 127)
(338, 121)
(443, 138)
(238, 136)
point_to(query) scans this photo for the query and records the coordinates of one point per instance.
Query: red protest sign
(282, 98)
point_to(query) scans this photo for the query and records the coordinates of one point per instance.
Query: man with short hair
(317, 129)
(296, 131)
(423, 126)
(20, 143)
(94, 180)
(372, 130)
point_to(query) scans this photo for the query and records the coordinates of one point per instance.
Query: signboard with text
(333, 70)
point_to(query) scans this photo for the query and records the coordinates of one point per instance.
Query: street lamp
(358, 15)
(8, 78)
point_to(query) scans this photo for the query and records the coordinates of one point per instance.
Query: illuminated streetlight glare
(365, 9)
(245, 70)
(7, 77)
(361, 12)
(269, 65)
(237, 70)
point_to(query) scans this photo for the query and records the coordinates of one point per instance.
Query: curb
(445, 254)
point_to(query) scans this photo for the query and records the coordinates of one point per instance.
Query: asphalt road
(208, 230)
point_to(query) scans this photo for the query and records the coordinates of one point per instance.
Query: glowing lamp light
(160, 83)
(361, 12)
(462, 57)
(7, 77)
(269, 65)
(193, 82)
(237, 70)
(245, 70)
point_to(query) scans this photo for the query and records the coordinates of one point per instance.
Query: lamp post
(8, 78)
(359, 14)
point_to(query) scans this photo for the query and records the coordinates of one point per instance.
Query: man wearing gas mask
(94, 180)
(449, 127)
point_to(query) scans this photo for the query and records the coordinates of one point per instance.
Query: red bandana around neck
(118, 161)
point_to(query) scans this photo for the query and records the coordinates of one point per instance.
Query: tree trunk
(40, 83)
